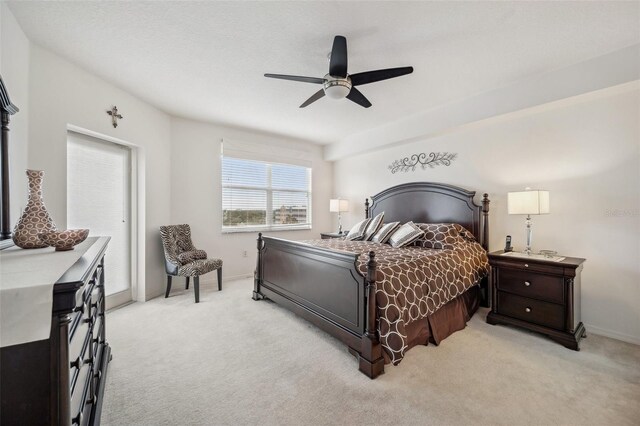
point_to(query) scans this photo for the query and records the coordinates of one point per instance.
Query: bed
(338, 285)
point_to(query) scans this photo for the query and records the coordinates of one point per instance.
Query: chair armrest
(172, 268)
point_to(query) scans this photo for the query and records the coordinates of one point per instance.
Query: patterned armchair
(183, 259)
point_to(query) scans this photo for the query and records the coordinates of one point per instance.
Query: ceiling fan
(337, 84)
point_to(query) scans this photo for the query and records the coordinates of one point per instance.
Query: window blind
(260, 195)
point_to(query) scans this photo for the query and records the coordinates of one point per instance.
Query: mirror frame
(7, 109)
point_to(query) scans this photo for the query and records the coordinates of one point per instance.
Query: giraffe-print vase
(35, 218)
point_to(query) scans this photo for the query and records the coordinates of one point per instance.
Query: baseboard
(211, 279)
(612, 334)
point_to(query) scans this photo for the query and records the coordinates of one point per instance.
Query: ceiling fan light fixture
(338, 83)
(336, 87)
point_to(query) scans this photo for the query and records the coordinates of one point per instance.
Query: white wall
(196, 190)
(14, 68)
(585, 151)
(62, 94)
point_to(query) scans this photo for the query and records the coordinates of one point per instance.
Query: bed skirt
(444, 322)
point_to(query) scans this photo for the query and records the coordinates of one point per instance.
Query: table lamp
(531, 201)
(338, 206)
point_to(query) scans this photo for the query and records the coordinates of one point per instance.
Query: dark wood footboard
(325, 288)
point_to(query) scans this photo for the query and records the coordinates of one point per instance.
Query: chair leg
(187, 286)
(166, 294)
(220, 279)
(196, 287)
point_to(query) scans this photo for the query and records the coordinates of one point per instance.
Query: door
(99, 198)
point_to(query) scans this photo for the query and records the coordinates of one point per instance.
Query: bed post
(257, 276)
(366, 208)
(485, 288)
(485, 221)
(371, 361)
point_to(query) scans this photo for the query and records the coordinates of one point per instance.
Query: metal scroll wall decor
(431, 160)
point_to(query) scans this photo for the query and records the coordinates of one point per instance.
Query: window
(257, 195)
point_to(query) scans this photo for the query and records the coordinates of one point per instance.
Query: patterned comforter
(413, 282)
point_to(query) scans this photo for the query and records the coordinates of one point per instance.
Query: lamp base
(528, 224)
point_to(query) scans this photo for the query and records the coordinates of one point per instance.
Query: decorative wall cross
(113, 112)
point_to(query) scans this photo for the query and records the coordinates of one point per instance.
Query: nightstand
(329, 235)
(539, 295)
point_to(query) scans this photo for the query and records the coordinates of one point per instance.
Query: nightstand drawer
(531, 310)
(538, 286)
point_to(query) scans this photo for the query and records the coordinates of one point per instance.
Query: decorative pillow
(443, 235)
(190, 256)
(357, 232)
(406, 234)
(373, 227)
(385, 232)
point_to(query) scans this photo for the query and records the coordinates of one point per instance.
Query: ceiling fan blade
(357, 97)
(378, 75)
(338, 62)
(296, 78)
(319, 94)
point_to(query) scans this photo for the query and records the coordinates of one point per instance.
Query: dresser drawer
(80, 395)
(531, 310)
(80, 334)
(535, 285)
(96, 300)
(97, 335)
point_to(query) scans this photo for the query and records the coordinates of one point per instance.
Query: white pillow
(385, 232)
(406, 234)
(373, 227)
(357, 232)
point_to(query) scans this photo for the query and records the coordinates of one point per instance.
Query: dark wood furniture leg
(186, 287)
(196, 287)
(166, 294)
(220, 279)
(370, 360)
(257, 276)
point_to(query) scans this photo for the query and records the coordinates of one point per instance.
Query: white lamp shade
(338, 205)
(528, 202)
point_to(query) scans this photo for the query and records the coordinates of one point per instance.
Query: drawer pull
(527, 309)
(82, 308)
(526, 265)
(77, 420)
(78, 363)
(527, 283)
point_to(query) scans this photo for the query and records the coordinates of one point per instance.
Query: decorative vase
(35, 218)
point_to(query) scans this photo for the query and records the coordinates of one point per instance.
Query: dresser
(539, 295)
(60, 380)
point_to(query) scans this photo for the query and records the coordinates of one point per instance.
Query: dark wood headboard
(428, 202)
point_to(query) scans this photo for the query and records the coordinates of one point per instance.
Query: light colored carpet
(231, 360)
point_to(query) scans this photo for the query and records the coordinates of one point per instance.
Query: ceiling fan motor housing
(336, 87)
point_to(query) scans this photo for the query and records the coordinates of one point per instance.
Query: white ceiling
(206, 60)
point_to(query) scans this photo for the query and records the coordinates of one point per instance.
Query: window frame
(269, 190)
